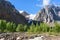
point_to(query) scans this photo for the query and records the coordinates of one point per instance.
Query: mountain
(48, 14)
(23, 13)
(10, 13)
(27, 15)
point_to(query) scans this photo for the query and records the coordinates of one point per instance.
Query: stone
(37, 38)
(18, 38)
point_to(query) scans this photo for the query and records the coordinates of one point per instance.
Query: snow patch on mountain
(21, 11)
(31, 16)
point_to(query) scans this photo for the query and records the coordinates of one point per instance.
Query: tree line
(43, 27)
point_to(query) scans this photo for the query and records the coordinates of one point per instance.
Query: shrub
(25, 28)
(2, 25)
(32, 27)
(57, 27)
(13, 27)
(20, 28)
(8, 27)
(36, 29)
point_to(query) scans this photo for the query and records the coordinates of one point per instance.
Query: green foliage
(7, 26)
(10, 27)
(31, 29)
(25, 28)
(2, 25)
(14, 27)
(42, 28)
(57, 27)
(37, 29)
(20, 28)
(45, 27)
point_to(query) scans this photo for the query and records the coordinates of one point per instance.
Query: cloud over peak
(46, 2)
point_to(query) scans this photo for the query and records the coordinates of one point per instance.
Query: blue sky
(30, 6)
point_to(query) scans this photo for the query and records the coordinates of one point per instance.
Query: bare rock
(48, 14)
(8, 12)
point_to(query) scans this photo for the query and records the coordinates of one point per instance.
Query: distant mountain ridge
(27, 15)
(48, 14)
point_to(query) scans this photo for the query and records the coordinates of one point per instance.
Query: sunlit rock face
(8, 12)
(48, 14)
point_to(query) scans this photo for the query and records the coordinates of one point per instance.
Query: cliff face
(48, 14)
(8, 12)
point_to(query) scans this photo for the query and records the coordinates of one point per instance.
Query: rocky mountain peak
(10, 13)
(48, 14)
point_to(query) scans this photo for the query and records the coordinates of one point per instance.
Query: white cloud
(46, 2)
(31, 16)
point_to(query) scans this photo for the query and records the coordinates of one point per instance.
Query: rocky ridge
(10, 13)
(48, 14)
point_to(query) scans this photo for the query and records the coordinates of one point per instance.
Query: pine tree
(36, 30)
(32, 27)
(25, 28)
(2, 25)
(14, 27)
(9, 27)
(19, 28)
(57, 27)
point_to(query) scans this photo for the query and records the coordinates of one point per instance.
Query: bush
(9, 27)
(25, 28)
(2, 25)
(32, 27)
(36, 29)
(57, 27)
(20, 28)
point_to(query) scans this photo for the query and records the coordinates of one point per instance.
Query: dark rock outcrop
(48, 14)
(8, 12)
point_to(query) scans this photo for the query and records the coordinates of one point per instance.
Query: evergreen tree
(36, 30)
(25, 28)
(2, 25)
(9, 27)
(14, 27)
(32, 27)
(20, 28)
(57, 27)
